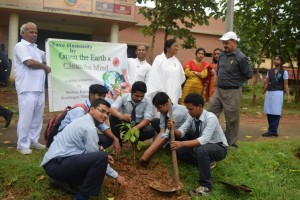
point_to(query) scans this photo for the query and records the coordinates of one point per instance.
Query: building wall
(133, 36)
(4, 35)
(206, 37)
(55, 21)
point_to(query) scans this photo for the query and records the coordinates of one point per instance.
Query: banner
(75, 65)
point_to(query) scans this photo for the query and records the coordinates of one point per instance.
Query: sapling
(128, 133)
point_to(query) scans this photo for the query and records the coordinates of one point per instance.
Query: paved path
(251, 128)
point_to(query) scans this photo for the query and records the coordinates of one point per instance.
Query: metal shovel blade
(162, 188)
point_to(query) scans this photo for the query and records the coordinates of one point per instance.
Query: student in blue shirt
(210, 143)
(106, 139)
(180, 114)
(74, 156)
(135, 109)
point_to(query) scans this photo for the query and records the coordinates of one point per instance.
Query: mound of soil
(138, 178)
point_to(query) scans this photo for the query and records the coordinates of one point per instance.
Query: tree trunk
(151, 57)
(166, 35)
(257, 72)
(152, 48)
(255, 80)
(297, 78)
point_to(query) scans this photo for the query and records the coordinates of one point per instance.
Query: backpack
(54, 123)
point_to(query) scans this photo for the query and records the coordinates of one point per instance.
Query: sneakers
(268, 134)
(63, 186)
(8, 118)
(213, 164)
(200, 191)
(25, 151)
(37, 145)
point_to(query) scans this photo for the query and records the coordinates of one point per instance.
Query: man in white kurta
(138, 68)
(166, 75)
(30, 83)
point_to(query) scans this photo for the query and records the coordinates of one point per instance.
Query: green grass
(269, 168)
(248, 107)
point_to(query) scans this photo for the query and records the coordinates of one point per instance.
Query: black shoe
(8, 118)
(63, 186)
(2, 85)
(268, 134)
(233, 147)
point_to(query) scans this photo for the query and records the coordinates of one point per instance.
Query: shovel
(179, 186)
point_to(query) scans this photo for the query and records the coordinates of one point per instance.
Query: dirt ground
(138, 178)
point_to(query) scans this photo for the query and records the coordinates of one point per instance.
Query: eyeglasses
(103, 111)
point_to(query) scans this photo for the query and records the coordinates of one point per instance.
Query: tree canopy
(268, 28)
(177, 17)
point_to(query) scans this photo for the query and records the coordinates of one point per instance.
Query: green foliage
(177, 17)
(128, 133)
(273, 28)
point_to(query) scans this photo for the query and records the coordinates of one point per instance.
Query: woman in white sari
(166, 74)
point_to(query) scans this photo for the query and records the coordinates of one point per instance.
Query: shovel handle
(174, 156)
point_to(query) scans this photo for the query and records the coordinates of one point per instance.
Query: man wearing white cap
(232, 70)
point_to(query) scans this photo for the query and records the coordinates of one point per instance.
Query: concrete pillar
(114, 33)
(13, 32)
(229, 15)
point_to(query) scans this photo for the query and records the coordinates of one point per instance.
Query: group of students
(199, 137)
(77, 145)
(75, 161)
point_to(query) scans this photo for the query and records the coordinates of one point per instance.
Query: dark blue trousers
(104, 141)
(203, 155)
(85, 170)
(273, 121)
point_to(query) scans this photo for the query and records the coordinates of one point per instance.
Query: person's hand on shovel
(170, 124)
(176, 145)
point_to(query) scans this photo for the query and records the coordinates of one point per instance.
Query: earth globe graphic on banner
(112, 80)
(71, 2)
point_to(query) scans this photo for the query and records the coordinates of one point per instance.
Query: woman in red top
(210, 81)
(195, 71)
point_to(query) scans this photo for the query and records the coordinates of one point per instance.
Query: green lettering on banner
(75, 65)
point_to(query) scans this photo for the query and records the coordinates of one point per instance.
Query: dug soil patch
(138, 178)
